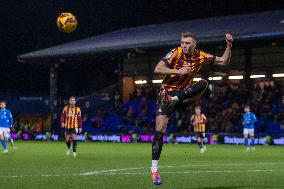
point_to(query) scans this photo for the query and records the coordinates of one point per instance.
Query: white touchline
(115, 172)
(111, 170)
(174, 166)
(196, 172)
(229, 164)
(121, 170)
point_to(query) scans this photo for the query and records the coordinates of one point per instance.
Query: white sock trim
(154, 167)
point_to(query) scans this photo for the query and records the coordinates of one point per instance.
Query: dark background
(29, 25)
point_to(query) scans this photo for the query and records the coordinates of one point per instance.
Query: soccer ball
(67, 22)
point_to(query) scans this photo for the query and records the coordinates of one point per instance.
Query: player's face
(72, 101)
(188, 45)
(197, 111)
(246, 109)
(2, 105)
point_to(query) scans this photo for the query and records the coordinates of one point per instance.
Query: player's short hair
(72, 97)
(198, 107)
(3, 101)
(246, 106)
(189, 34)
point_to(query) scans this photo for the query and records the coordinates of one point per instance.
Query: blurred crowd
(222, 104)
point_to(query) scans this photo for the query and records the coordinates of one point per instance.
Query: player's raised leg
(193, 91)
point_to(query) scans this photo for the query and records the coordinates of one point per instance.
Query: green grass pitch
(37, 165)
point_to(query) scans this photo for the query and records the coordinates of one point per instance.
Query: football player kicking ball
(180, 66)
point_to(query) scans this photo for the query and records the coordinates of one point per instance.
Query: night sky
(29, 25)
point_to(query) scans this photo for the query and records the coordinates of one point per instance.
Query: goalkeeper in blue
(249, 119)
(6, 122)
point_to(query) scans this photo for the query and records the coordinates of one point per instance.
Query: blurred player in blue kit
(6, 123)
(249, 119)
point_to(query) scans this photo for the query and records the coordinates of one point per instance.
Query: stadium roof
(210, 30)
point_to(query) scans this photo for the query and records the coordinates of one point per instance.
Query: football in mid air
(67, 22)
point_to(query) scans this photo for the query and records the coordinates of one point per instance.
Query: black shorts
(163, 106)
(71, 131)
(199, 134)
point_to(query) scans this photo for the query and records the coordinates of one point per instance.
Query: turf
(115, 165)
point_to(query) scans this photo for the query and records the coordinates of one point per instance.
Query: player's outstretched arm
(225, 59)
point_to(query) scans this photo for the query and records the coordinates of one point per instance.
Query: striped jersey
(201, 119)
(71, 117)
(176, 59)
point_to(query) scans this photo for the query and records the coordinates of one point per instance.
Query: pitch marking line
(228, 164)
(111, 170)
(121, 170)
(115, 172)
(197, 172)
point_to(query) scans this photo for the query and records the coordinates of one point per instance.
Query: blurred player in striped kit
(71, 121)
(198, 120)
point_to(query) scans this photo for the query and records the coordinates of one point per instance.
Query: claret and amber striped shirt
(71, 117)
(201, 119)
(176, 59)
